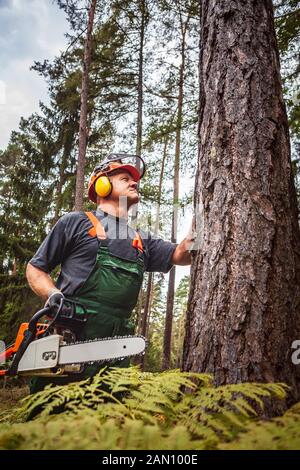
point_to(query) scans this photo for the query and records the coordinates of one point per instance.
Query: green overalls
(109, 295)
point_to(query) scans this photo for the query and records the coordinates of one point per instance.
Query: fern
(128, 409)
(278, 434)
(226, 409)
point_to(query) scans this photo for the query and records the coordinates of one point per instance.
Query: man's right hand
(54, 300)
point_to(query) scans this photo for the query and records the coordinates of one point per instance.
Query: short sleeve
(159, 255)
(52, 251)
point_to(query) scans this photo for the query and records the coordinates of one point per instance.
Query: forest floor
(11, 395)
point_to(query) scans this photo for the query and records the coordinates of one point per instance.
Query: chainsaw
(50, 349)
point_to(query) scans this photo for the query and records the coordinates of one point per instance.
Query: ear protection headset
(103, 186)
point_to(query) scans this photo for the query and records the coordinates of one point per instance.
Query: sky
(30, 30)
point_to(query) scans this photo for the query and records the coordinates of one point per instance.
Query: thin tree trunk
(171, 285)
(139, 309)
(14, 267)
(169, 321)
(67, 147)
(59, 187)
(139, 123)
(149, 292)
(179, 342)
(244, 303)
(145, 316)
(139, 133)
(83, 132)
(160, 183)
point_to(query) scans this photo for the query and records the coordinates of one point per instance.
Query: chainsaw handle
(30, 333)
(33, 322)
(29, 336)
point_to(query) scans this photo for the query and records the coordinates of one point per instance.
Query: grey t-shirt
(69, 246)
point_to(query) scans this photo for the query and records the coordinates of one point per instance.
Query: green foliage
(279, 434)
(128, 409)
(153, 356)
(154, 351)
(17, 305)
(125, 409)
(180, 308)
(287, 20)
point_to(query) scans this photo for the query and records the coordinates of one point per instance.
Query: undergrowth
(129, 409)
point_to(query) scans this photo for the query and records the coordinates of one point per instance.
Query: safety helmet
(99, 183)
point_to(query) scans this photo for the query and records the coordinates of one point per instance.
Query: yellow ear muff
(103, 186)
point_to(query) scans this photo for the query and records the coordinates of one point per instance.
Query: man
(102, 259)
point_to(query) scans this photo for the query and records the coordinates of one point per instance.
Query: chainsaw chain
(114, 359)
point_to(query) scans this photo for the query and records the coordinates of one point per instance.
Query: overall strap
(137, 242)
(97, 229)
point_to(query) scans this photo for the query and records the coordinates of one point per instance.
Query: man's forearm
(182, 254)
(40, 282)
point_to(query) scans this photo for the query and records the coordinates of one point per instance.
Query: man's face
(124, 186)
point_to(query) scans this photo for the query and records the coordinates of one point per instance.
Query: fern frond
(129, 409)
(278, 434)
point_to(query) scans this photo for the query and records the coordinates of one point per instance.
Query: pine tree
(83, 124)
(243, 310)
(184, 15)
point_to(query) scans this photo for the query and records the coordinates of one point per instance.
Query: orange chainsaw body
(11, 350)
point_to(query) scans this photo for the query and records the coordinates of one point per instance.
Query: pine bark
(83, 131)
(244, 303)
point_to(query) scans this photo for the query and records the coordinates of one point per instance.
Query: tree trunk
(244, 304)
(67, 147)
(180, 334)
(139, 124)
(171, 285)
(139, 133)
(83, 132)
(139, 121)
(150, 284)
(14, 267)
(145, 317)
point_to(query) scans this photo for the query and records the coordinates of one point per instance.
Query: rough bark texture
(244, 304)
(83, 132)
